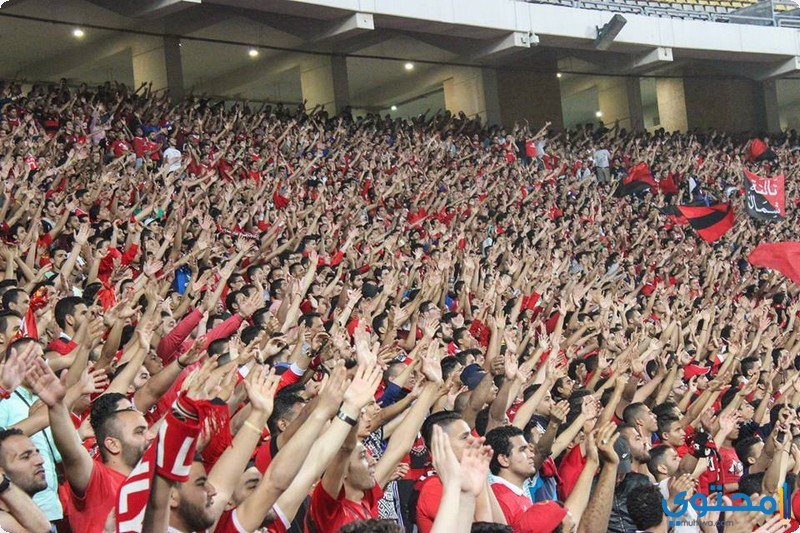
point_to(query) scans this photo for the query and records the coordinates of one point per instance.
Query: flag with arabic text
(764, 197)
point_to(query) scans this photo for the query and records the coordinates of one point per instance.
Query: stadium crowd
(257, 318)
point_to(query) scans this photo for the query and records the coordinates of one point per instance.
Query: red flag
(756, 149)
(667, 185)
(710, 222)
(781, 256)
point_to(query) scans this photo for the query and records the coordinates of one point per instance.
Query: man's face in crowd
(13, 327)
(672, 462)
(77, 318)
(361, 471)
(460, 436)
(674, 436)
(23, 464)
(520, 460)
(247, 484)
(135, 436)
(22, 303)
(545, 405)
(191, 501)
(640, 450)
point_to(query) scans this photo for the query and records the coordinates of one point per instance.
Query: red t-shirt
(330, 514)
(88, 513)
(61, 346)
(730, 470)
(570, 470)
(430, 496)
(512, 501)
(228, 523)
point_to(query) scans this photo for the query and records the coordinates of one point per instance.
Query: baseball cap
(472, 375)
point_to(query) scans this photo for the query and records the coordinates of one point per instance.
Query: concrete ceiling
(217, 34)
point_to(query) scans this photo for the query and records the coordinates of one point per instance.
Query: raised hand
(93, 380)
(475, 466)
(606, 437)
(14, 367)
(444, 460)
(362, 389)
(45, 383)
(261, 385)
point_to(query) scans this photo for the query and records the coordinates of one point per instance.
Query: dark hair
(66, 307)
(658, 457)
(500, 441)
(4, 316)
(490, 527)
(644, 507)
(632, 412)
(103, 415)
(282, 405)
(744, 447)
(250, 333)
(6, 434)
(442, 418)
(218, 346)
(751, 483)
(11, 296)
(664, 423)
(373, 525)
(448, 364)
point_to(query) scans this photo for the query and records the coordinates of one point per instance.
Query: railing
(783, 13)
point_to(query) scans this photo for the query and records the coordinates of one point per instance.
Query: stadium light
(409, 66)
(394, 108)
(78, 33)
(609, 32)
(598, 114)
(252, 52)
(558, 74)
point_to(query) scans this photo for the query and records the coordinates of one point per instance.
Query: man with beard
(122, 436)
(23, 476)
(191, 503)
(640, 448)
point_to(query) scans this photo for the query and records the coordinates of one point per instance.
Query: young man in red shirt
(122, 435)
(353, 483)
(512, 463)
(430, 489)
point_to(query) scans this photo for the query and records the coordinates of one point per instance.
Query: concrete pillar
(725, 104)
(158, 60)
(324, 82)
(465, 92)
(672, 109)
(620, 99)
(772, 117)
(635, 109)
(530, 96)
(491, 93)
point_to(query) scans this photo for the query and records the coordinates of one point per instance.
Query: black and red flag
(781, 256)
(710, 222)
(640, 179)
(764, 197)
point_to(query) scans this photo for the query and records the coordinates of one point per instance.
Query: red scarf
(169, 455)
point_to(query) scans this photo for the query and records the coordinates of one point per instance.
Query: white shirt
(601, 158)
(172, 156)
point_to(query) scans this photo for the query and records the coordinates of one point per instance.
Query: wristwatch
(347, 419)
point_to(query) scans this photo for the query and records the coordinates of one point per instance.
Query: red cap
(543, 516)
(691, 370)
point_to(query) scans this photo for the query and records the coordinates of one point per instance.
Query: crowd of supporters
(261, 318)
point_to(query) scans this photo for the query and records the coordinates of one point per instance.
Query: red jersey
(329, 514)
(430, 496)
(88, 513)
(62, 345)
(228, 523)
(730, 470)
(570, 470)
(512, 501)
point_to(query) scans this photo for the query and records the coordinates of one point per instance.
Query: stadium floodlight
(78, 33)
(609, 32)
